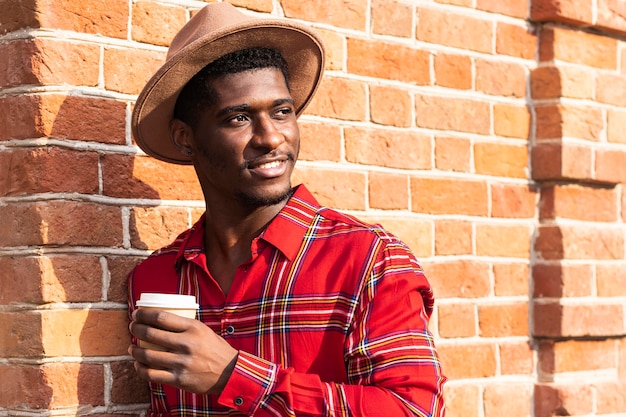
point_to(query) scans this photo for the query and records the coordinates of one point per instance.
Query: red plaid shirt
(329, 315)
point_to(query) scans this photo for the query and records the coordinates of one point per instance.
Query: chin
(256, 200)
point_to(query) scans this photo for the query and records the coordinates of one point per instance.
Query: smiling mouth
(268, 165)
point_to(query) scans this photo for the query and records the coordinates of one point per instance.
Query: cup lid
(148, 299)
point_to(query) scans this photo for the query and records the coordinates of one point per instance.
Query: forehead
(250, 86)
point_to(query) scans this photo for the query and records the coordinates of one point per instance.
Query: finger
(164, 339)
(162, 319)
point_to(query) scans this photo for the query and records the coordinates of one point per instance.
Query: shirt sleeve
(393, 367)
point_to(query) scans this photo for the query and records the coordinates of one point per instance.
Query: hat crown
(210, 19)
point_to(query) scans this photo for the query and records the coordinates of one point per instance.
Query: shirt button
(238, 401)
(230, 330)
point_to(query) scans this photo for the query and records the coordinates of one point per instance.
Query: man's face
(247, 143)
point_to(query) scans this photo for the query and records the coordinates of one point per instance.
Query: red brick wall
(489, 134)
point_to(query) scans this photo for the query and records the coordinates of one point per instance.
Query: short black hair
(198, 94)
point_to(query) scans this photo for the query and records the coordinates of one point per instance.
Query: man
(303, 311)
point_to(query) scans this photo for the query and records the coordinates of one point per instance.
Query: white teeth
(273, 164)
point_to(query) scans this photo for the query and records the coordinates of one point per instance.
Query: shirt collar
(285, 231)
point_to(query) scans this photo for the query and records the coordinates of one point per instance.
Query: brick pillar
(64, 249)
(579, 161)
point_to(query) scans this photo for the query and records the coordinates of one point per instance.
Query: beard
(258, 201)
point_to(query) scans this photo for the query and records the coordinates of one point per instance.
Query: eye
(238, 119)
(284, 112)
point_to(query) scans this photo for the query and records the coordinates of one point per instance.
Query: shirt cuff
(252, 380)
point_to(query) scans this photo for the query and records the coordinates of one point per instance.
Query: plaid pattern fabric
(330, 317)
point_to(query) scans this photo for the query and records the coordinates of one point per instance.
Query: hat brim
(154, 109)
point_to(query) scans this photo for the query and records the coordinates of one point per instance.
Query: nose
(266, 133)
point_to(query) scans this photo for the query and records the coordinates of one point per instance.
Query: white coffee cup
(181, 305)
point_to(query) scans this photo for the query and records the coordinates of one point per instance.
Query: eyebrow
(244, 107)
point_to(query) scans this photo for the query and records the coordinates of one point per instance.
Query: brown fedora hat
(216, 30)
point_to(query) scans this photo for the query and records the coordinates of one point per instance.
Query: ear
(181, 135)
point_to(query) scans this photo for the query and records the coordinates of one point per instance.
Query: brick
(61, 223)
(24, 386)
(128, 70)
(571, 201)
(20, 335)
(513, 201)
(38, 170)
(452, 154)
(568, 11)
(579, 242)
(75, 383)
(445, 28)
(76, 278)
(516, 41)
(441, 196)
(611, 397)
(511, 279)
(555, 121)
(510, 399)
(500, 78)
(501, 320)
(392, 149)
(257, 5)
(457, 320)
(417, 234)
(388, 61)
(622, 359)
(463, 279)
(345, 191)
(17, 15)
(453, 237)
(510, 8)
(349, 14)
(503, 240)
(118, 268)
(319, 141)
(45, 61)
(155, 227)
(128, 176)
(466, 3)
(85, 332)
(107, 17)
(393, 18)
(453, 71)
(18, 280)
(448, 113)
(127, 387)
(334, 46)
(611, 14)
(388, 191)
(555, 280)
(516, 358)
(563, 81)
(564, 356)
(579, 320)
(616, 126)
(561, 162)
(482, 365)
(32, 116)
(501, 159)
(578, 47)
(511, 121)
(610, 166)
(611, 280)
(609, 88)
(562, 399)
(390, 106)
(463, 400)
(349, 105)
(156, 23)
